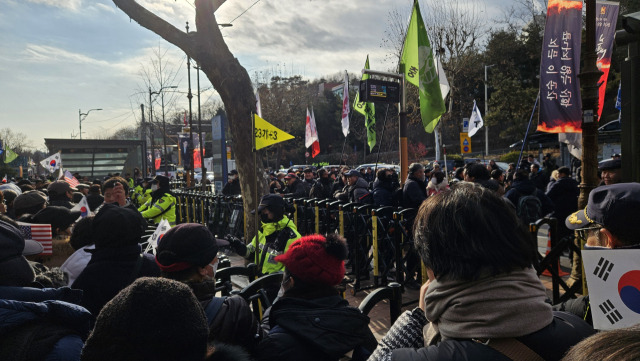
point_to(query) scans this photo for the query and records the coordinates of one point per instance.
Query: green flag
(369, 112)
(10, 156)
(419, 69)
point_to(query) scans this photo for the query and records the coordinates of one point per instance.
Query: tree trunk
(207, 47)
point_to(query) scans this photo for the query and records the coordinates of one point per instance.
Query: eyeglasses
(583, 233)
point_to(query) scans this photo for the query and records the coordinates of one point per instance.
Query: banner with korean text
(561, 105)
(606, 17)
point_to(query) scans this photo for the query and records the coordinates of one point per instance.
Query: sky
(62, 57)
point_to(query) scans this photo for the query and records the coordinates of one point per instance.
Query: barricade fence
(378, 237)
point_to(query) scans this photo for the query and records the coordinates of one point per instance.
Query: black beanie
(187, 245)
(116, 226)
(153, 319)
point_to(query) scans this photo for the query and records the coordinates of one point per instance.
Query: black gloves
(237, 245)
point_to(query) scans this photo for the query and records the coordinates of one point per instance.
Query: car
(375, 166)
(198, 177)
(502, 165)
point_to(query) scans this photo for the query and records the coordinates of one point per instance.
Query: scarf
(506, 305)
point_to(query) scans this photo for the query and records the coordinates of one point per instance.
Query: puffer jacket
(358, 190)
(321, 329)
(404, 341)
(35, 324)
(234, 323)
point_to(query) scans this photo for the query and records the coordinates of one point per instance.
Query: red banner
(605, 31)
(560, 102)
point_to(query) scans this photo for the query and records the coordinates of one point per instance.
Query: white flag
(444, 83)
(310, 132)
(52, 163)
(163, 227)
(82, 207)
(258, 106)
(613, 278)
(345, 105)
(475, 121)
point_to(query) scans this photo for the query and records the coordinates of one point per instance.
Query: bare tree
(208, 48)
(13, 140)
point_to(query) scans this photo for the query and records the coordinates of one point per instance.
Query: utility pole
(190, 96)
(153, 152)
(80, 118)
(143, 137)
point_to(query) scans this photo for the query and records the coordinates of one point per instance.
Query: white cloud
(73, 5)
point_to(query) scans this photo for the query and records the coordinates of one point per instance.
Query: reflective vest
(270, 265)
(163, 208)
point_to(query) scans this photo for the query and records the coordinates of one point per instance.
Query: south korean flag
(613, 278)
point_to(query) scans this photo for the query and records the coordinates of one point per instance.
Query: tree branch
(156, 24)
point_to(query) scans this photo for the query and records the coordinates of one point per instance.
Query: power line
(242, 13)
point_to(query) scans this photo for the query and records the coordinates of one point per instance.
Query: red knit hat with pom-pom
(316, 259)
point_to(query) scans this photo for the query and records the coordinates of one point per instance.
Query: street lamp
(164, 126)
(486, 109)
(80, 118)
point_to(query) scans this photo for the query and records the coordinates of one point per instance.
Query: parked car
(379, 165)
(198, 177)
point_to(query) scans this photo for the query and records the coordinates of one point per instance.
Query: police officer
(142, 192)
(162, 204)
(274, 237)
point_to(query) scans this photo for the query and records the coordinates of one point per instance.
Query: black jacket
(527, 187)
(550, 343)
(94, 200)
(234, 323)
(564, 195)
(321, 329)
(232, 188)
(321, 190)
(414, 193)
(109, 271)
(296, 189)
(382, 193)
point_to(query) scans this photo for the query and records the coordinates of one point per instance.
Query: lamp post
(486, 110)
(164, 125)
(80, 118)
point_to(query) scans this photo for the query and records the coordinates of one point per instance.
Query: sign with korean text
(606, 16)
(613, 278)
(465, 143)
(266, 134)
(560, 102)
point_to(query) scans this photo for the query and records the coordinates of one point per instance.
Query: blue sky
(58, 56)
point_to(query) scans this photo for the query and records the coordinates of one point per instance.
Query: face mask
(265, 218)
(154, 187)
(214, 266)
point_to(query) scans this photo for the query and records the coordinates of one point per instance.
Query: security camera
(631, 22)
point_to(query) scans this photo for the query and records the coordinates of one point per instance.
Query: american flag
(40, 233)
(69, 178)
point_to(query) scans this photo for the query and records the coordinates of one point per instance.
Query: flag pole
(256, 216)
(524, 141)
(384, 127)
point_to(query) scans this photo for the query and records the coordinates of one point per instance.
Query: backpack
(367, 198)
(529, 209)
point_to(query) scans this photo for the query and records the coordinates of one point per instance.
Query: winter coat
(37, 324)
(321, 190)
(267, 240)
(322, 329)
(225, 352)
(94, 200)
(564, 194)
(296, 189)
(550, 342)
(358, 190)
(307, 184)
(234, 323)
(62, 202)
(382, 193)
(414, 193)
(232, 188)
(162, 205)
(109, 271)
(527, 187)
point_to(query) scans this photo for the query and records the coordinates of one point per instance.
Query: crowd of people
(108, 299)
